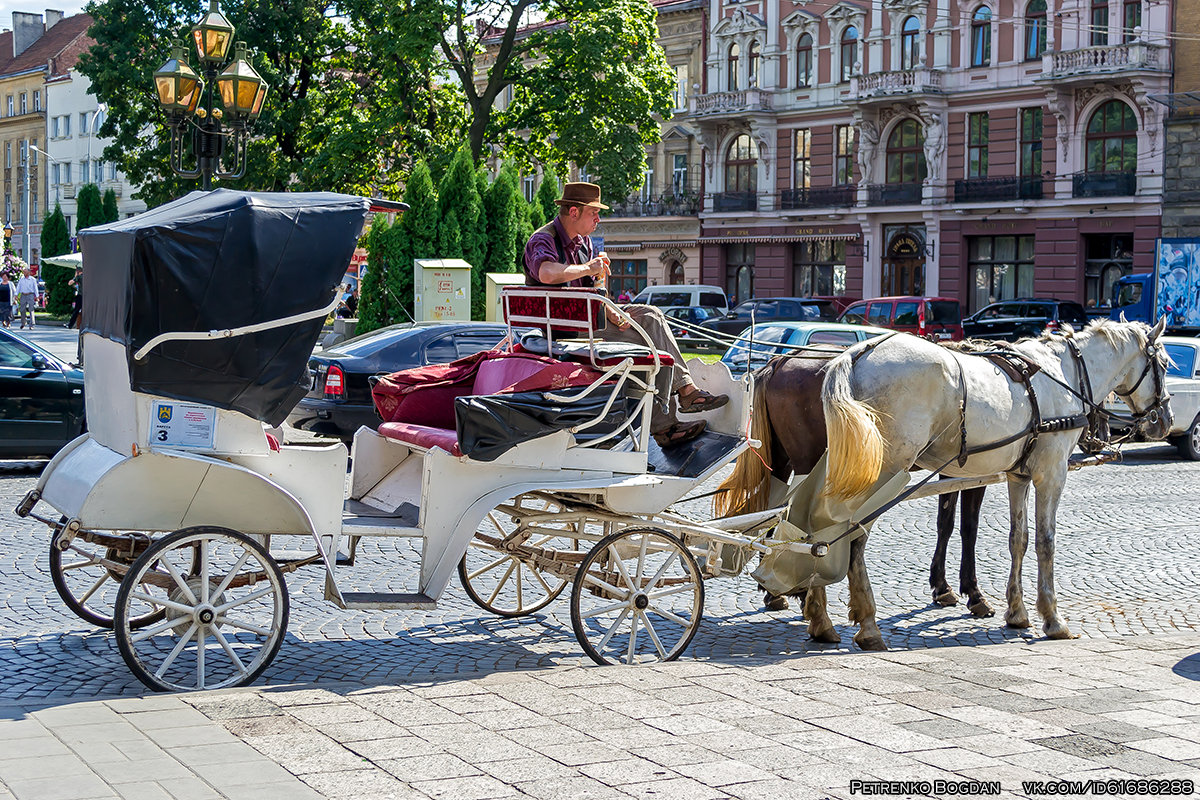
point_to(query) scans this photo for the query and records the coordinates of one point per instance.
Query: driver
(560, 254)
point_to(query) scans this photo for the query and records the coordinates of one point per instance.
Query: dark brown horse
(789, 387)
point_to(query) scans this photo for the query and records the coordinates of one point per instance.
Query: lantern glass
(239, 85)
(213, 35)
(258, 102)
(178, 86)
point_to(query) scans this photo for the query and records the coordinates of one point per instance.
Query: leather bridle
(1156, 411)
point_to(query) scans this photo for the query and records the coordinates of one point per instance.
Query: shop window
(1001, 268)
(739, 272)
(819, 268)
(1107, 256)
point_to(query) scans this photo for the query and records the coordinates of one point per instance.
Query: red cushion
(422, 436)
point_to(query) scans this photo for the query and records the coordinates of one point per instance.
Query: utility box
(495, 282)
(443, 289)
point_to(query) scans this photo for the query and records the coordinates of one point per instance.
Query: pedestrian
(560, 254)
(8, 295)
(623, 297)
(27, 294)
(77, 303)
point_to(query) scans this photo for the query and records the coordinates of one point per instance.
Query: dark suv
(1017, 319)
(773, 309)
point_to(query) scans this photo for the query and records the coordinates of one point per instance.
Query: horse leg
(820, 626)
(1048, 491)
(862, 601)
(943, 595)
(1018, 539)
(774, 602)
(968, 584)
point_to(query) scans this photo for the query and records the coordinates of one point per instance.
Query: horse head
(1142, 384)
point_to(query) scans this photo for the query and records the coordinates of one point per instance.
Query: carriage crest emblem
(164, 413)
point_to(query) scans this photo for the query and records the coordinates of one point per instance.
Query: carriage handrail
(228, 333)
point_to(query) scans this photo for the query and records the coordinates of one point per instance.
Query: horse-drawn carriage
(171, 517)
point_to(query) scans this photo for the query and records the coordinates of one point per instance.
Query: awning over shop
(785, 239)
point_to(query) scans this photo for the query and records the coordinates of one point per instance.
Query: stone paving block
(14, 729)
(1168, 747)
(488, 747)
(290, 698)
(397, 747)
(637, 735)
(62, 787)
(181, 717)
(374, 784)
(996, 745)
(233, 706)
(674, 789)
(35, 746)
(193, 736)
(776, 757)
(1054, 762)
(208, 754)
(889, 737)
(477, 787)
(579, 787)
(775, 789)
(724, 772)
(308, 753)
(144, 790)
(232, 777)
(1185, 730)
(1007, 723)
(684, 724)
(1141, 717)
(428, 768)
(282, 790)
(502, 720)
(327, 713)
(943, 728)
(954, 759)
(528, 768)
(119, 731)
(15, 770)
(76, 714)
(162, 770)
(551, 734)
(269, 726)
(1143, 764)
(629, 769)
(579, 753)
(814, 739)
(1083, 746)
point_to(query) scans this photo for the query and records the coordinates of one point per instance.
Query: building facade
(981, 150)
(1181, 154)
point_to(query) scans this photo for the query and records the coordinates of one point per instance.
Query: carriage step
(387, 600)
(379, 526)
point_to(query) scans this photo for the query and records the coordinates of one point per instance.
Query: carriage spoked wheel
(87, 585)
(638, 597)
(503, 583)
(224, 606)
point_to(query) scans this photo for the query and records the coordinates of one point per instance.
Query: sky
(8, 6)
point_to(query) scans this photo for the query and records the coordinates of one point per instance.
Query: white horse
(906, 402)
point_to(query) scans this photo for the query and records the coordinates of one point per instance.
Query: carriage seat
(423, 436)
(608, 354)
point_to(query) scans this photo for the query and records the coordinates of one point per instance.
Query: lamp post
(190, 100)
(25, 207)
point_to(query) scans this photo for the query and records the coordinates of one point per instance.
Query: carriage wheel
(225, 606)
(638, 597)
(89, 588)
(504, 584)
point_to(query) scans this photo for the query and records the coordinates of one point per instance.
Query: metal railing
(685, 204)
(1104, 184)
(817, 197)
(735, 201)
(894, 194)
(975, 190)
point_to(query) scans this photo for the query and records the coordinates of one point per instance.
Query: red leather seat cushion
(421, 435)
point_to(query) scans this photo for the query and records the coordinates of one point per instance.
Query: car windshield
(373, 342)
(712, 299)
(1183, 360)
(670, 298)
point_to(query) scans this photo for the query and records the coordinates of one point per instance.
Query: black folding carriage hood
(215, 261)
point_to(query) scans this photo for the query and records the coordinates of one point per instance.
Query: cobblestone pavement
(1128, 549)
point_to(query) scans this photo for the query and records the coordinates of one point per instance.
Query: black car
(1011, 320)
(41, 399)
(339, 396)
(773, 309)
(693, 316)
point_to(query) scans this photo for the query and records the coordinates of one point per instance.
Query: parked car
(679, 294)
(930, 317)
(1017, 319)
(840, 301)
(694, 316)
(41, 399)
(773, 309)
(1183, 382)
(779, 337)
(339, 396)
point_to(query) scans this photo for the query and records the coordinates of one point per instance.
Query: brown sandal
(701, 400)
(679, 433)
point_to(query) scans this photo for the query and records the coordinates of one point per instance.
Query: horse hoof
(1019, 619)
(826, 636)
(870, 643)
(1058, 630)
(945, 599)
(775, 602)
(980, 608)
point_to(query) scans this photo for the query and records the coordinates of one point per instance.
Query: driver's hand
(617, 319)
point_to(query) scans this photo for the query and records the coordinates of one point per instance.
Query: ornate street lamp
(190, 99)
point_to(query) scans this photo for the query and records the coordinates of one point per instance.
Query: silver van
(684, 295)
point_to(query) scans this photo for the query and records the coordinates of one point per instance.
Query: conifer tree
(420, 227)
(526, 225)
(91, 207)
(547, 193)
(109, 204)
(460, 234)
(373, 311)
(56, 242)
(503, 214)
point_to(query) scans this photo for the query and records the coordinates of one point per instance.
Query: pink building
(982, 150)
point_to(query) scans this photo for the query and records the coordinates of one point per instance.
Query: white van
(684, 295)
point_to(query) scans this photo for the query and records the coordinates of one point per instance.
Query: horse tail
(748, 488)
(855, 443)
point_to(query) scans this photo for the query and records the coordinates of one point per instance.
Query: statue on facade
(935, 144)
(868, 143)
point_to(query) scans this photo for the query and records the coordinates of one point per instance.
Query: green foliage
(414, 236)
(460, 232)
(55, 242)
(109, 204)
(545, 196)
(535, 215)
(373, 302)
(505, 218)
(526, 225)
(91, 207)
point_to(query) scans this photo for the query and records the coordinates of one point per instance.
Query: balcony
(982, 190)
(731, 104)
(824, 197)
(685, 204)
(1089, 63)
(1104, 184)
(735, 201)
(879, 86)
(894, 194)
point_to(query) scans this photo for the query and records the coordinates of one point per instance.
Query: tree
(591, 90)
(111, 212)
(373, 300)
(545, 196)
(90, 207)
(504, 217)
(459, 233)
(418, 229)
(526, 225)
(56, 242)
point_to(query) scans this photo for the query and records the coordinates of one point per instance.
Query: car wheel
(1189, 443)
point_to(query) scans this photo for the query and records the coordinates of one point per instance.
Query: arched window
(1035, 29)
(1112, 139)
(981, 37)
(905, 153)
(734, 52)
(849, 52)
(755, 59)
(910, 43)
(676, 273)
(804, 61)
(741, 165)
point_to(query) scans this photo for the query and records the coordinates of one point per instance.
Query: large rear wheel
(224, 605)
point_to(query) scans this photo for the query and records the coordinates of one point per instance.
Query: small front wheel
(638, 597)
(225, 605)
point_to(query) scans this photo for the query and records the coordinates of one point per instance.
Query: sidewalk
(790, 728)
